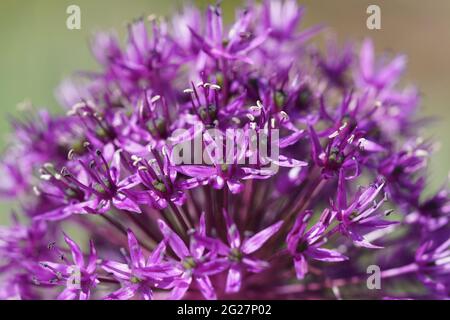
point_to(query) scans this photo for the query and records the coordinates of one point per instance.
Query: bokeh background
(38, 51)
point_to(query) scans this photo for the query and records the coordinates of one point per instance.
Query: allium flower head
(214, 161)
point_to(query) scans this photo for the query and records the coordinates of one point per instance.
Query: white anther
(255, 109)
(71, 154)
(284, 115)
(135, 159)
(214, 87)
(272, 122)
(48, 166)
(155, 98)
(350, 140)
(421, 153)
(250, 117)
(333, 135)
(259, 104)
(45, 177)
(344, 125)
(36, 191)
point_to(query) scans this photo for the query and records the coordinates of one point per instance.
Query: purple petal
(213, 267)
(367, 59)
(297, 231)
(213, 245)
(255, 242)
(92, 263)
(341, 191)
(316, 148)
(291, 139)
(196, 247)
(234, 239)
(360, 241)
(124, 293)
(325, 255)
(254, 265)
(77, 255)
(234, 280)
(68, 294)
(157, 254)
(181, 286)
(391, 72)
(124, 203)
(301, 266)
(286, 162)
(235, 186)
(206, 287)
(175, 242)
(137, 257)
(196, 171)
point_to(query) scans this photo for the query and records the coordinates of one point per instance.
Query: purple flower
(237, 253)
(158, 175)
(237, 44)
(434, 212)
(193, 263)
(99, 189)
(304, 244)
(404, 171)
(362, 213)
(433, 260)
(379, 77)
(78, 277)
(139, 275)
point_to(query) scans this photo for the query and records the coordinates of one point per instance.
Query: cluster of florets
(347, 191)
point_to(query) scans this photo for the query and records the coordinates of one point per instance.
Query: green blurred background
(38, 51)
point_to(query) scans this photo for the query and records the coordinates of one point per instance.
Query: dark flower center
(336, 158)
(158, 127)
(208, 113)
(135, 280)
(159, 185)
(302, 246)
(280, 98)
(303, 98)
(235, 255)
(189, 263)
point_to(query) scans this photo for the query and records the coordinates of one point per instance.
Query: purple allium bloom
(193, 263)
(302, 243)
(236, 255)
(138, 276)
(78, 277)
(362, 214)
(433, 261)
(298, 167)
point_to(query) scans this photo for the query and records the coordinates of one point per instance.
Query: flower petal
(234, 280)
(255, 242)
(175, 242)
(77, 255)
(137, 257)
(301, 266)
(325, 255)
